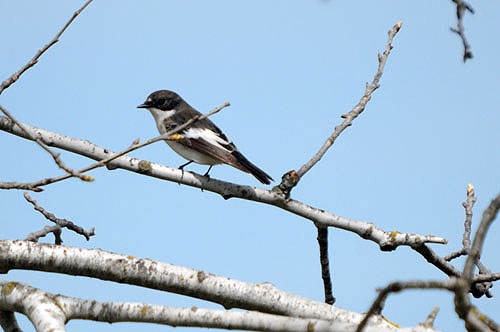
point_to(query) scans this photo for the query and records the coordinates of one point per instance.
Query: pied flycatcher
(203, 142)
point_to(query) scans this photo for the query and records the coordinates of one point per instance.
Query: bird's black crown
(162, 99)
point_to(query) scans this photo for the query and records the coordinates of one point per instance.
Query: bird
(202, 142)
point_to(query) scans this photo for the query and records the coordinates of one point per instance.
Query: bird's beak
(145, 105)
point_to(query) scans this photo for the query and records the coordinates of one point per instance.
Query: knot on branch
(288, 181)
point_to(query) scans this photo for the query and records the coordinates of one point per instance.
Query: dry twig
(462, 7)
(14, 77)
(357, 110)
(35, 185)
(55, 155)
(397, 286)
(60, 222)
(325, 264)
(290, 179)
(56, 230)
(472, 317)
(468, 205)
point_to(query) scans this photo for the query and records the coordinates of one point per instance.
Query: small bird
(203, 142)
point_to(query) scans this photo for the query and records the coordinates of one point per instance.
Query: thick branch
(387, 240)
(166, 277)
(67, 308)
(43, 310)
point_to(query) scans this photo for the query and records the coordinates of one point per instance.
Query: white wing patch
(208, 135)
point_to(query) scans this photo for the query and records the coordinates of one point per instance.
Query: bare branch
(230, 293)
(474, 320)
(54, 155)
(8, 322)
(357, 110)
(35, 185)
(397, 286)
(387, 240)
(60, 222)
(14, 77)
(468, 205)
(56, 229)
(325, 264)
(486, 277)
(53, 311)
(429, 322)
(463, 6)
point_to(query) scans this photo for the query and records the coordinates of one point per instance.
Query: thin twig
(14, 77)
(397, 286)
(325, 264)
(477, 289)
(55, 155)
(486, 277)
(359, 108)
(429, 322)
(166, 136)
(468, 205)
(386, 239)
(352, 114)
(472, 317)
(463, 6)
(56, 230)
(60, 222)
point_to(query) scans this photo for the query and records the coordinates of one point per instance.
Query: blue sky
(289, 69)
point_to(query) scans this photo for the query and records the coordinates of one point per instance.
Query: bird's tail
(245, 165)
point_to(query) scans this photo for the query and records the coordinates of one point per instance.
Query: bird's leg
(181, 167)
(206, 174)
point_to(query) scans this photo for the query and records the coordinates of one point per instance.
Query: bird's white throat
(159, 116)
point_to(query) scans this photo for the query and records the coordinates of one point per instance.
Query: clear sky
(289, 69)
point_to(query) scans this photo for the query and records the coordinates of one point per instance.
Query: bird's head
(163, 100)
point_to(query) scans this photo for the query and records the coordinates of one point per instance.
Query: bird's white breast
(191, 154)
(183, 151)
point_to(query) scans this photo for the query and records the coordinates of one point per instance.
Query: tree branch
(474, 320)
(463, 6)
(397, 286)
(56, 230)
(325, 264)
(60, 222)
(35, 185)
(59, 309)
(387, 240)
(14, 77)
(54, 155)
(356, 111)
(230, 293)
(8, 322)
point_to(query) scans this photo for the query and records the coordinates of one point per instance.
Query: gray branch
(387, 240)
